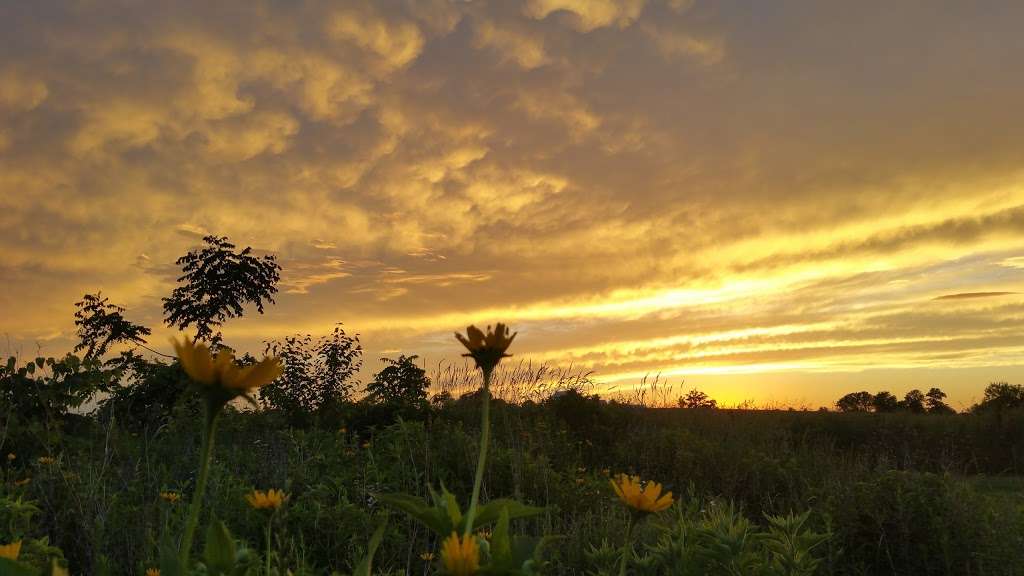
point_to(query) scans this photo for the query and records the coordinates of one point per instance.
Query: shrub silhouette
(318, 375)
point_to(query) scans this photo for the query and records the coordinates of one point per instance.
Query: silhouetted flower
(486, 349)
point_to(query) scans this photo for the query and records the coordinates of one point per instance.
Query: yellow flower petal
(10, 551)
(460, 556)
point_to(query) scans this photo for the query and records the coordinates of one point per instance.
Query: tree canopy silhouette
(101, 324)
(217, 282)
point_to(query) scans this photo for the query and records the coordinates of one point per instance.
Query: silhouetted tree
(317, 373)
(913, 401)
(935, 402)
(216, 283)
(400, 384)
(697, 399)
(101, 324)
(885, 401)
(855, 402)
(1001, 396)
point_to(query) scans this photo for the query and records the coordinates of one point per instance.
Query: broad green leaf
(366, 564)
(434, 518)
(501, 548)
(12, 568)
(220, 549)
(491, 512)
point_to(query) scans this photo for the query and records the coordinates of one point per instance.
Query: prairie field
(755, 491)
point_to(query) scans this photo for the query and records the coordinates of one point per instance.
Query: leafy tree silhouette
(1001, 396)
(317, 373)
(100, 324)
(697, 399)
(913, 401)
(885, 401)
(217, 283)
(400, 384)
(855, 402)
(935, 402)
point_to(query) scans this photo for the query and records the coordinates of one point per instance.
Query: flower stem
(196, 504)
(269, 522)
(627, 546)
(485, 436)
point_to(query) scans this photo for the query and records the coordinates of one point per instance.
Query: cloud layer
(695, 188)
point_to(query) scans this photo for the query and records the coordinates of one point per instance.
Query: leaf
(501, 549)
(169, 565)
(56, 569)
(491, 512)
(12, 568)
(220, 549)
(366, 564)
(433, 517)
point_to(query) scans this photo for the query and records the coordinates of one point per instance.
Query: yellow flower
(170, 497)
(427, 556)
(152, 572)
(10, 551)
(11, 456)
(487, 349)
(271, 499)
(220, 370)
(46, 460)
(461, 556)
(22, 482)
(638, 497)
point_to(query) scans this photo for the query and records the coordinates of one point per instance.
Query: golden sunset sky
(777, 201)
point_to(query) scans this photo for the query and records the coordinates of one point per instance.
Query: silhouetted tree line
(217, 283)
(998, 396)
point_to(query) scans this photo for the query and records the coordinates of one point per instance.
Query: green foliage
(216, 283)
(443, 515)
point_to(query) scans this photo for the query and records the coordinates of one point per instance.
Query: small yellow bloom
(46, 460)
(11, 456)
(367, 445)
(10, 551)
(641, 498)
(22, 482)
(152, 572)
(271, 499)
(461, 556)
(170, 497)
(427, 556)
(220, 370)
